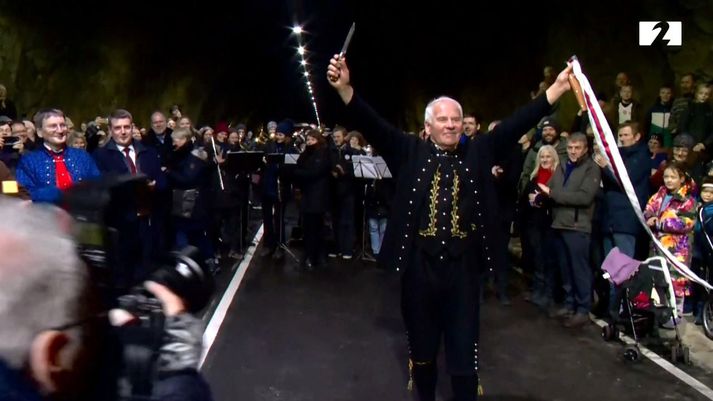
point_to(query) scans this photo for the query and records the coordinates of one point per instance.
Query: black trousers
(313, 225)
(440, 297)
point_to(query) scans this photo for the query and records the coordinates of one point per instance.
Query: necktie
(132, 166)
(62, 177)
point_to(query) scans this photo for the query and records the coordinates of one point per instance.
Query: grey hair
(578, 137)
(43, 283)
(428, 116)
(43, 114)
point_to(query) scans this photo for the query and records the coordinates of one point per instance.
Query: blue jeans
(573, 252)
(627, 245)
(377, 227)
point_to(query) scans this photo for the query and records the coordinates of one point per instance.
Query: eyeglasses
(55, 127)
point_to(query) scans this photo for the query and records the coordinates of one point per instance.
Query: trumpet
(262, 137)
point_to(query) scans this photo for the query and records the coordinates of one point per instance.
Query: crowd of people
(553, 188)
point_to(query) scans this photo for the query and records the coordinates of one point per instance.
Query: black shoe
(279, 254)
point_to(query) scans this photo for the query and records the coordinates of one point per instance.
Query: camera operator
(54, 340)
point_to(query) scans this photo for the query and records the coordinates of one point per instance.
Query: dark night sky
(245, 54)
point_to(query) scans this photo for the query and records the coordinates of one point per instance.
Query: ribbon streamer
(608, 146)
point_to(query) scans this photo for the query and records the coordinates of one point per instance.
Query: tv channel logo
(668, 33)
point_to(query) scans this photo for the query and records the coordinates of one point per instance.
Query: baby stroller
(646, 291)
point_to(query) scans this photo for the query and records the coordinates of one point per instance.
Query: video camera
(97, 207)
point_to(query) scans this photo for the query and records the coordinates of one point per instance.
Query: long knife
(347, 40)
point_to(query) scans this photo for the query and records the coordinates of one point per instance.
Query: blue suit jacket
(36, 172)
(110, 160)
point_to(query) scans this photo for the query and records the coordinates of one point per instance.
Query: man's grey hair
(578, 137)
(43, 283)
(428, 117)
(43, 114)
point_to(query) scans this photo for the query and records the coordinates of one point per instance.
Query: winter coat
(619, 216)
(675, 223)
(574, 200)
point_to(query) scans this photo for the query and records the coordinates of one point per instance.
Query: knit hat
(241, 126)
(551, 122)
(657, 136)
(285, 127)
(221, 127)
(683, 141)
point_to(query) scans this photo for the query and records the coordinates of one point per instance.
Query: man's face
(446, 124)
(54, 131)
(158, 123)
(625, 93)
(121, 131)
(575, 150)
(5, 130)
(549, 135)
(627, 137)
(19, 130)
(687, 84)
(680, 154)
(665, 94)
(338, 138)
(469, 126)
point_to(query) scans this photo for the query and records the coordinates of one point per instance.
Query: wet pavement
(336, 334)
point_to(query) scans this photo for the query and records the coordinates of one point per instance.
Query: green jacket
(574, 201)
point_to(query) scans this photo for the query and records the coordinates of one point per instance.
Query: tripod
(279, 159)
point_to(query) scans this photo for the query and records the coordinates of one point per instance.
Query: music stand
(373, 168)
(239, 163)
(283, 162)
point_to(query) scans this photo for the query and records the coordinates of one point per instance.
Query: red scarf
(62, 177)
(543, 175)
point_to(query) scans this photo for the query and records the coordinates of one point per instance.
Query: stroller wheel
(708, 318)
(631, 353)
(609, 332)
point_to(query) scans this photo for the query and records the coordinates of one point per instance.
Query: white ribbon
(608, 148)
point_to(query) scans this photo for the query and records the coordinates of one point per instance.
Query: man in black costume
(445, 204)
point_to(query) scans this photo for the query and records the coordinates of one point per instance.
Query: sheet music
(291, 158)
(370, 167)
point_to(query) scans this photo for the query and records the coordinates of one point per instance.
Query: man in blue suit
(138, 231)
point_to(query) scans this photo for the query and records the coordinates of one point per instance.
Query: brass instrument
(262, 137)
